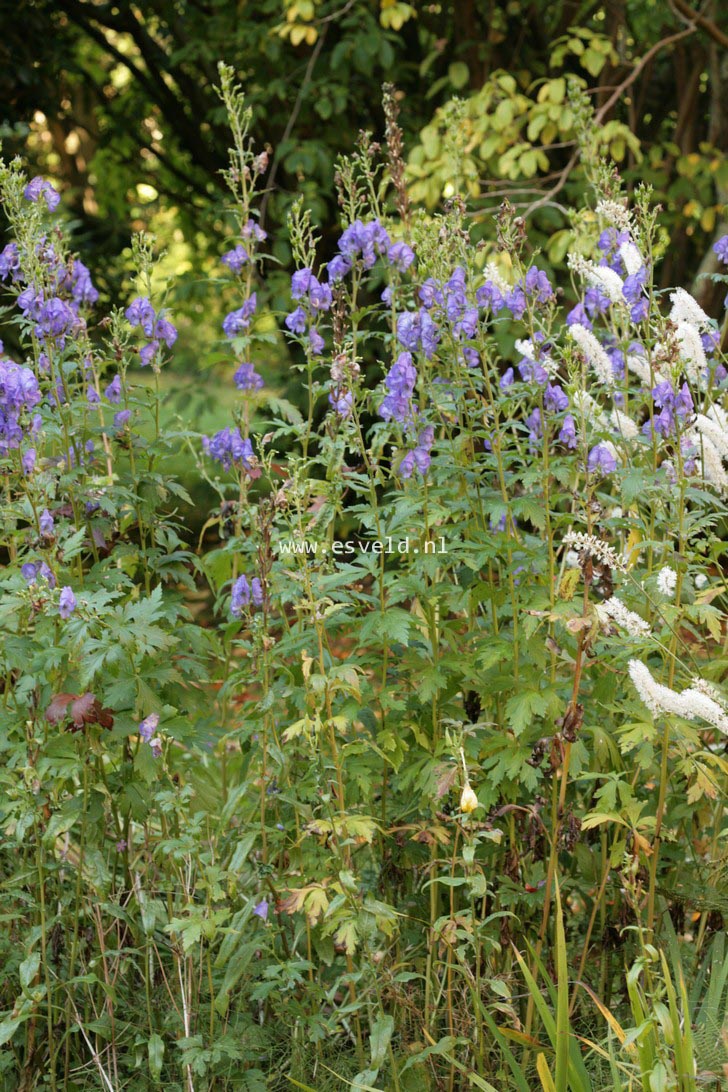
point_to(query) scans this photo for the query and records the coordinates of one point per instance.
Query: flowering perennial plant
(381, 770)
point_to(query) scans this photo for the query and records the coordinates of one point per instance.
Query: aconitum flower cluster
(19, 394)
(419, 457)
(247, 379)
(113, 391)
(417, 332)
(147, 732)
(602, 459)
(400, 256)
(236, 258)
(229, 448)
(673, 406)
(400, 382)
(359, 243)
(40, 190)
(244, 593)
(31, 571)
(63, 283)
(449, 302)
(535, 365)
(66, 603)
(155, 326)
(52, 316)
(567, 433)
(54, 293)
(46, 524)
(78, 282)
(314, 298)
(237, 322)
(305, 285)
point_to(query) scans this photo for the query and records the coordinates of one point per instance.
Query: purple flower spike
(113, 391)
(364, 241)
(252, 231)
(10, 263)
(247, 379)
(141, 313)
(229, 448)
(400, 382)
(489, 295)
(601, 459)
(300, 282)
(46, 524)
(165, 331)
(507, 379)
(567, 435)
(535, 428)
(66, 603)
(238, 321)
(515, 301)
(261, 910)
(236, 258)
(37, 188)
(419, 457)
(240, 596)
(148, 352)
(342, 402)
(296, 321)
(82, 287)
(555, 399)
(721, 249)
(577, 316)
(537, 284)
(316, 342)
(401, 256)
(148, 727)
(319, 296)
(337, 268)
(416, 330)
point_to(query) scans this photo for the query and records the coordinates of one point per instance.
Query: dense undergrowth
(439, 799)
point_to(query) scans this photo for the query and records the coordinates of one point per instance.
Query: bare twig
(604, 110)
(683, 10)
(622, 87)
(336, 14)
(185, 1015)
(94, 1053)
(291, 121)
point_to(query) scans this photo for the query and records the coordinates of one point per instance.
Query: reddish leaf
(82, 709)
(105, 718)
(57, 710)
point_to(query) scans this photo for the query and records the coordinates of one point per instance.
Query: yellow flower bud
(468, 800)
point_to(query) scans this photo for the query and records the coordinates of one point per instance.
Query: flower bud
(468, 800)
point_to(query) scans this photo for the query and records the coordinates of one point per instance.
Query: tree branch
(604, 110)
(706, 24)
(292, 120)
